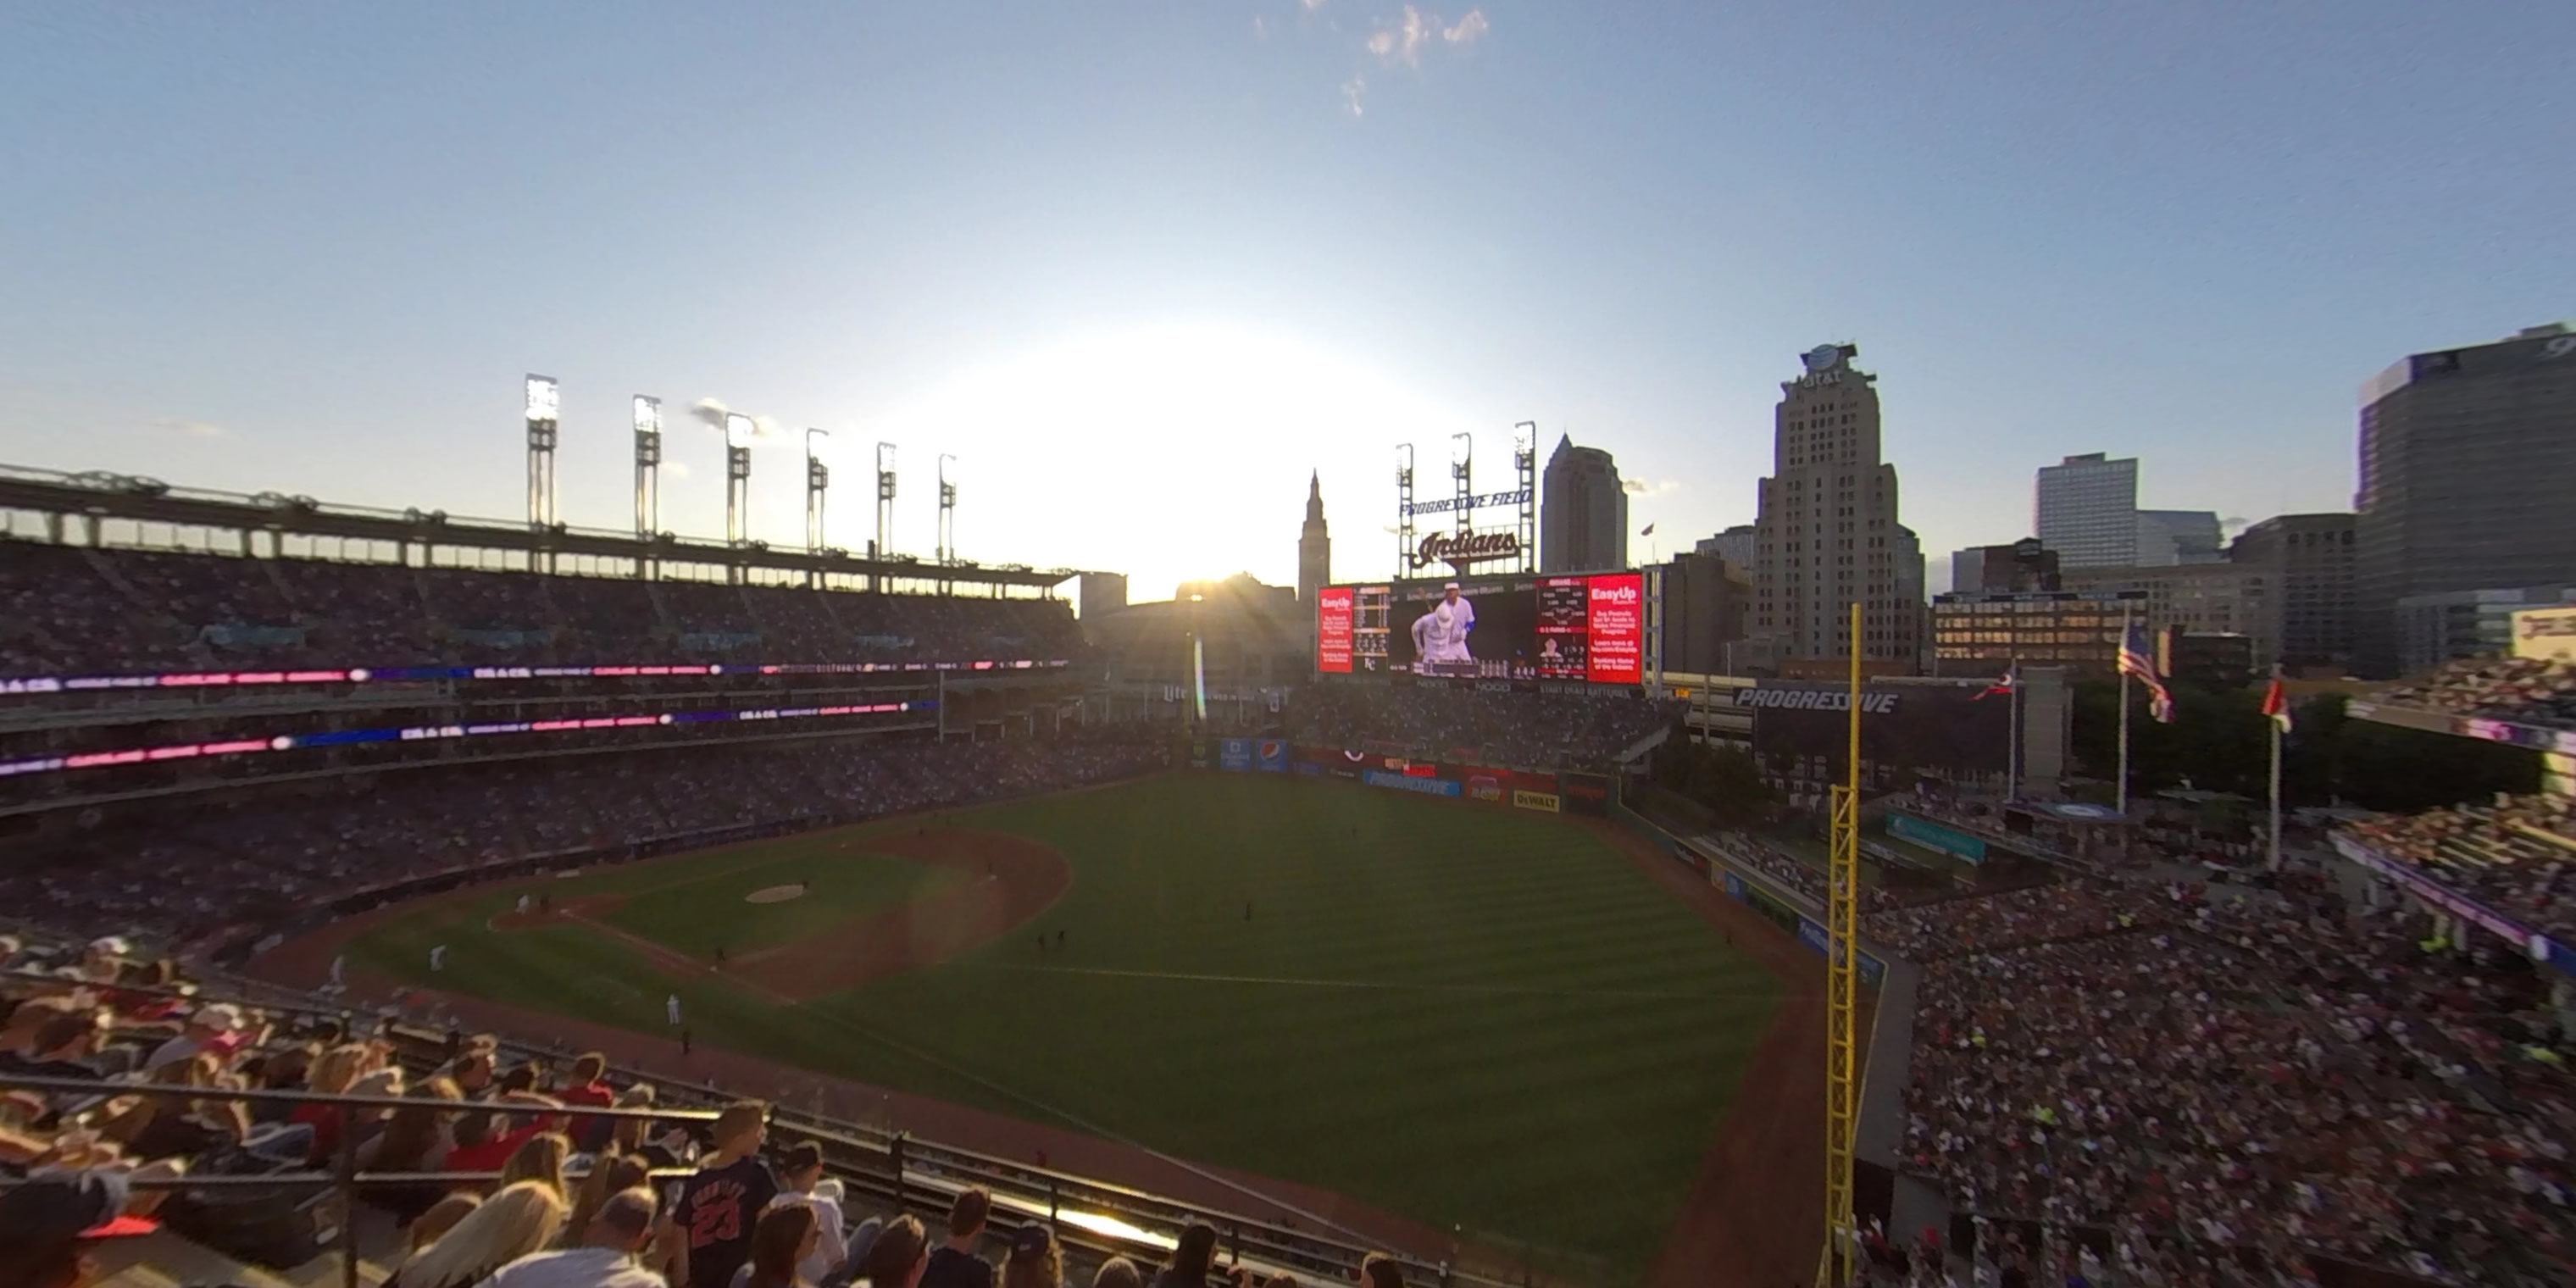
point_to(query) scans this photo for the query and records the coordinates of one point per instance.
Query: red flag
(2276, 704)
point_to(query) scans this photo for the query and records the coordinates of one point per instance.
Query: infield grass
(1462, 1014)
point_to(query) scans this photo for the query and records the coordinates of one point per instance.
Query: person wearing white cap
(1440, 635)
(210, 1028)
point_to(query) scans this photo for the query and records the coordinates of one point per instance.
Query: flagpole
(2276, 793)
(2275, 722)
(2123, 797)
(2012, 743)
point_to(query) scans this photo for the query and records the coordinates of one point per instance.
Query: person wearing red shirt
(485, 1140)
(589, 1131)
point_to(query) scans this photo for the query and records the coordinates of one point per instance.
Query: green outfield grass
(1464, 1014)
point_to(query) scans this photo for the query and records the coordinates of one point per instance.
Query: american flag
(2136, 660)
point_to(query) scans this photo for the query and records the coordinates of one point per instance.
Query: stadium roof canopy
(97, 496)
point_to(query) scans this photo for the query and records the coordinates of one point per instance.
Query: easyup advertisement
(1333, 630)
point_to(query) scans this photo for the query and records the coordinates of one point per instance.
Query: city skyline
(1252, 242)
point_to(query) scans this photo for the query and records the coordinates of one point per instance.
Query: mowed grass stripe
(1552, 1108)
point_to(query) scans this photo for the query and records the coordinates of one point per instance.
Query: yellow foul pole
(1842, 994)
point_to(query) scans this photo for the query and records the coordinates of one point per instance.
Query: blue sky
(1140, 266)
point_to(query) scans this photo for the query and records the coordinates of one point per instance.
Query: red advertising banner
(1333, 630)
(1615, 629)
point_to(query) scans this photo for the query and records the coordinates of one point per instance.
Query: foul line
(1642, 995)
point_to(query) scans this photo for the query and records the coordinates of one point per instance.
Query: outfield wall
(1544, 793)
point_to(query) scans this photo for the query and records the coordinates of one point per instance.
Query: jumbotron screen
(1587, 627)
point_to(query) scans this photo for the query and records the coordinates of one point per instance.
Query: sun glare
(1170, 452)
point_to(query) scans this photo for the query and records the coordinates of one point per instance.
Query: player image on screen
(1440, 635)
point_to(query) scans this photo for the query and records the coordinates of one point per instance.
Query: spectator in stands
(609, 1174)
(1118, 1272)
(1378, 1270)
(897, 1256)
(787, 1234)
(66, 1045)
(605, 1257)
(415, 1139)
(1034, 1261)
(719, 1205)
(955, 1265)
(435, 1221)
(1193, 1263)
(486, 1138)
(332, 1074)
(586, 1087)
(540, 1158)
(50, 1222)
(216, 1028)
(511, 1224)
(800, 1180)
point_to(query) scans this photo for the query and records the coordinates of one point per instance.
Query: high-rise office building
(2201, 599)
(2087, 511)
(1582, 511)
(2025, 565)
(1705, 597)
(2309, 557)
(2168, 537)
(2468, 457)
(1735, 545)
(1314, 546)
(1826, 533)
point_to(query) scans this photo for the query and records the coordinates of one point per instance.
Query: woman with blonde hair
(610, 1173)
(441, 1217)
(521, 1219)
(540, 1158)
(332, 1074)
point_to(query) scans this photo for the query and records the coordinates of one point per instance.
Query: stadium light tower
(648, 466)
(818, 479)
(1462, 470)
(1403, 505)
(1525, 470)
(947, 512)
(738, 429)
(544, 399)
(883, 547)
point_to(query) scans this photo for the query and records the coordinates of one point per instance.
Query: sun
(1171, 452)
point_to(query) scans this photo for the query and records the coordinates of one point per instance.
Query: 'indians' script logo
(1467, 548)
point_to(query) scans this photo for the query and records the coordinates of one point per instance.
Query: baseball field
(1462, 1014)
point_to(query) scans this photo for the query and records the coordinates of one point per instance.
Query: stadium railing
(343, 1181)
(888, 1166)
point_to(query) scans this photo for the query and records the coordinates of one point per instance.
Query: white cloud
(1313, 5)
(1355, 95)
(675, 470)
(191, 428)
(1260, 27)
(1640, 487)
(1405, 41)
(710, 413)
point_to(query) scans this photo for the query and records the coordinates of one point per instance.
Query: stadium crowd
(258, 861)
(536, 1193)
(2516, 855)
(2532, 691)
(1542, 731)
(2221, 1085)
(78, 611)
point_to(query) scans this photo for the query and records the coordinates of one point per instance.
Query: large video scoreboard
(1588, 628)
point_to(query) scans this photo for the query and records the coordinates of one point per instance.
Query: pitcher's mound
(775, 894)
